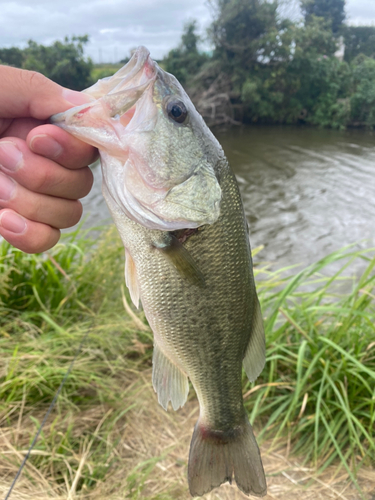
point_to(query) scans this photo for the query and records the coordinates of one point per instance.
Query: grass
(318, 386)
(104, 69)
(317, 392)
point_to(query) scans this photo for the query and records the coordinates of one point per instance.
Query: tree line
(265, 68)
(63, 62)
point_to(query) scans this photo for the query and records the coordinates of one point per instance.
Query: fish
(177, 206)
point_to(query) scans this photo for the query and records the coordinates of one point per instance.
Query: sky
(117, 26)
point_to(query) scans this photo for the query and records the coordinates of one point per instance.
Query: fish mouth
(112, 99)
(124, 111)
(137, 71)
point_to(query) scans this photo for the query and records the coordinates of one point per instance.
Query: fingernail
(13, 222)
(46, 146)
(7, 188)
(11, 157)
(75, 97)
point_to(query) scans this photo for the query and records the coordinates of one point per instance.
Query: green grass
(103, 70)
(318, 386)
(317, 389)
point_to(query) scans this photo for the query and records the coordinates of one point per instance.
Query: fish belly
(201, 333)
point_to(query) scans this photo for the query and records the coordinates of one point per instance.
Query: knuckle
(76, 212)
(38, 88)
(49, 237)
(43, 181)
(35, 209)
(86, 182)
(34, 79)
(38, 238)
(72, 214)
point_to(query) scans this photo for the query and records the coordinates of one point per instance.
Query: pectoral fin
(169, 382)
(181, 259)
(131, 279)
(255, 356)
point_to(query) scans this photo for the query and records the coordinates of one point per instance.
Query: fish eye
(177, 111)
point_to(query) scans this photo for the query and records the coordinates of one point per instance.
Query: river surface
(307, 192)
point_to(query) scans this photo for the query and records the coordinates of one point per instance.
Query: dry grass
(148, 456)
(109, 439)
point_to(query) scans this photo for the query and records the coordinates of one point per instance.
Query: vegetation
(263, 68)
(359, 40)
(104, 69)
(271, 70)
(319, 382)
(63, 62)
(186, 60)
(332, 10)
(317, 390)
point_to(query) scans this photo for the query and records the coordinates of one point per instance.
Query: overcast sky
(116, 26)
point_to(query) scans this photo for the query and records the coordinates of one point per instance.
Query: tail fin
(215, 456)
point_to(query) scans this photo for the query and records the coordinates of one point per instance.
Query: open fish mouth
(142, 122)
(114, 103)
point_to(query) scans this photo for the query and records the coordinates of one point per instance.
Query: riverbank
(306, 192)
(107, 437)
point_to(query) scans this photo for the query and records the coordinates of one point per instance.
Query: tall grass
(47, 304)
(318, 386)
(317, 389)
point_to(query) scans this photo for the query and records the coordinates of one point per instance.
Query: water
(306, 192)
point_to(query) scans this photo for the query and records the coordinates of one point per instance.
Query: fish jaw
(103, 122)
(166, 180)
(159, 208)
(137, 71)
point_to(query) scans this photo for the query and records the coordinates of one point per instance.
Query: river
(307, 192)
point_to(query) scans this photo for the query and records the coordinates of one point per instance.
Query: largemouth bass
(177, 207)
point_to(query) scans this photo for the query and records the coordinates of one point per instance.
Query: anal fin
(131, 279)
(255, 355)
(169, 382)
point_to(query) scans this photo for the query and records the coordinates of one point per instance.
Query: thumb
(29, 94)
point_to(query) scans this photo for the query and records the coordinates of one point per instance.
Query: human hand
(43, 169)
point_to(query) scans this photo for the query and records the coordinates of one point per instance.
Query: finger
(19, 127)
(27, 235)
(30, 94)
(57, 212)
(42, 175)
(53, 142)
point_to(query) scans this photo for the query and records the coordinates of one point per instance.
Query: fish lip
(57, 118)
(67, 115)
(150, 69)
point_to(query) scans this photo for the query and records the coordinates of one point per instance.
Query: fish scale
(196, 286)
(222, 307)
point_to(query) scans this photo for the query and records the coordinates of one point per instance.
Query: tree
(62, 62)
(362, 100)
(332, 10)
(12, 57)
(238, 30)
(185, 61)
(358, 40)
(308, 85)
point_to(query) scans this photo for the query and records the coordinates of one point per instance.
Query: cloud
(117, 26)
(360, 12)
(114, 26)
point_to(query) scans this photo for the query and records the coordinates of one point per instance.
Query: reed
(317, 391)
(318, 386)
